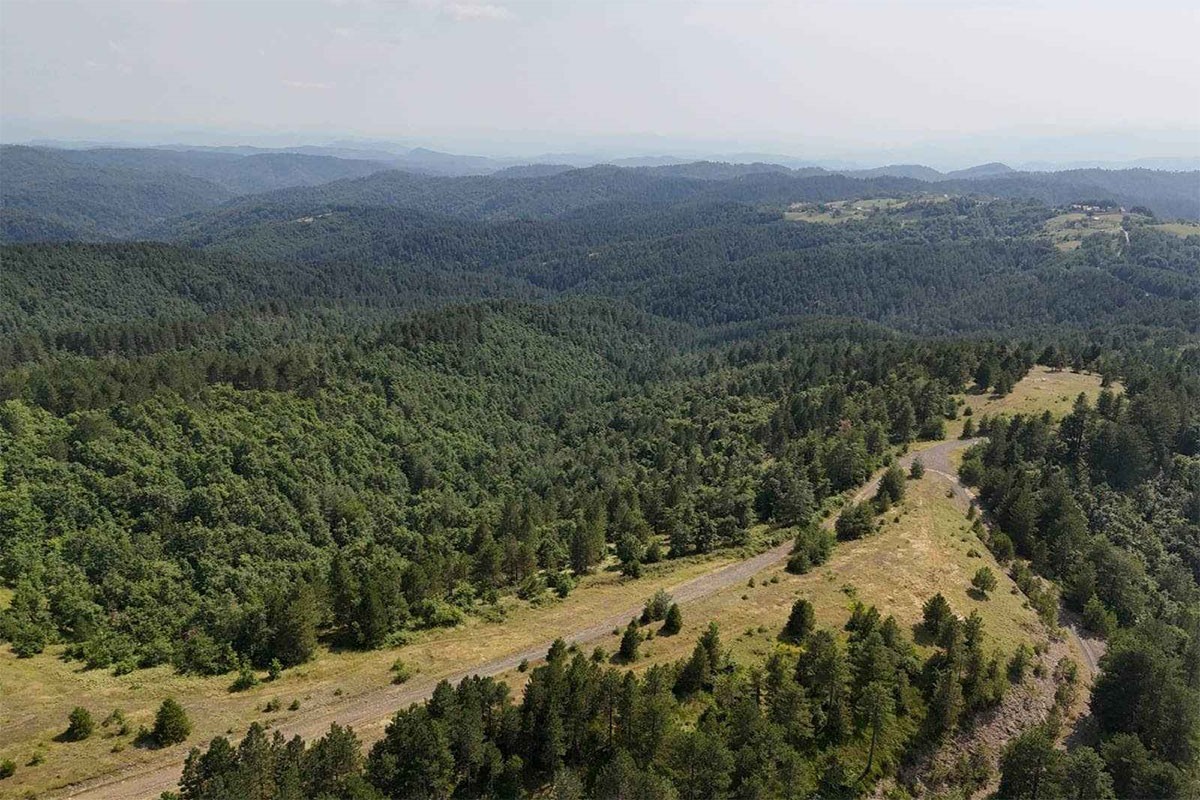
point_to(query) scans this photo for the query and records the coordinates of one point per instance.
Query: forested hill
(112, 193)
(709, 266)
(335, 416)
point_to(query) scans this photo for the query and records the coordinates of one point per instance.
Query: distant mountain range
(99, 194)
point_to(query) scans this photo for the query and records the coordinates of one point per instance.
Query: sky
(831, 78)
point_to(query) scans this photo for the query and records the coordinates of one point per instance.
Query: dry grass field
(1042, 390)
(846, 210)
(1179, 228)
(924, 546)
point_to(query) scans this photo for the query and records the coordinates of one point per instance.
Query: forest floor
(925, 546)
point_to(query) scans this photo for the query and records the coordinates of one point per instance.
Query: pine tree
(674, 621)
(876, 708)
(936, 613)
(800, 620)
(171, 724)
(630, 640)
(293, 621)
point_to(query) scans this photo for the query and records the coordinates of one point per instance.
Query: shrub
(1002, 547)
(1018, 665)
(171, 724)
(531, 588)
(812, 547)
(7, 768)
(984, 580)
(656, 607)
(917, 470)
(1097, 618)
(653, 553)
(401, 672)
(79, 725)
(246, 679)
(116, 720)
(561, 582)
(855, 521)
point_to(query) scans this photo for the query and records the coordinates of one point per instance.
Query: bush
(891, 486)
(653, 553)
(933, 428)
(531, 588)
(79, 725)
(7, 768)
(246, 679)
(439, 614)
(171, 724)
(1002, 547)
(855, 521)
(117, 721)
(984, 580)
(1097, 618)
(798, 563)
(401, 672)
(812, 548)
(1018, 665)
(561, 582)
(917, 470)
(656, 607)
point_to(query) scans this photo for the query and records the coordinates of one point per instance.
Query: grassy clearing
(928, 550)
(846, 210)
(1042, 390)
(1068, 230)
(1179, 228)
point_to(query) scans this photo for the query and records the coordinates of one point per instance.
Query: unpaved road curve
(367, 713)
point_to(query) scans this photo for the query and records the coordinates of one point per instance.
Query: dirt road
(369, 712)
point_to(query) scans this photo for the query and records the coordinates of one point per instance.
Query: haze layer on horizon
(947, 81)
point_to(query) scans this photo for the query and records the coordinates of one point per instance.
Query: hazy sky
(835, 76)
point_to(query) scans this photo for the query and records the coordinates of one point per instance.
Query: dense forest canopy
(106, 194)
(252, 406)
